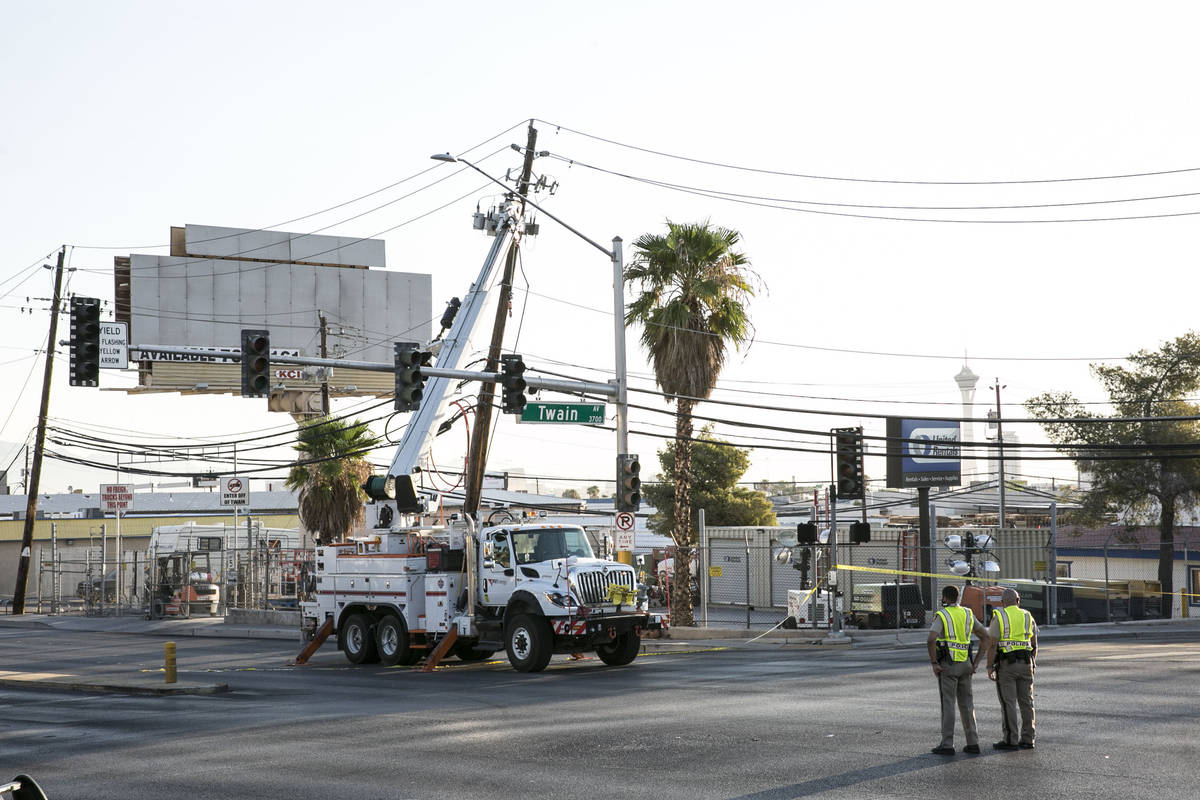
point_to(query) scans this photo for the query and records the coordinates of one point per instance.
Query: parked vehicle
(531, 590)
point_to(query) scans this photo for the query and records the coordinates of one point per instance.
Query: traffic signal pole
(35, 476)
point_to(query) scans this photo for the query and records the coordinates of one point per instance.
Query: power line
(324, 210)
(771, 199)
(869, 180)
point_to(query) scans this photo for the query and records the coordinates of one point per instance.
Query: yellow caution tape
(978, 579)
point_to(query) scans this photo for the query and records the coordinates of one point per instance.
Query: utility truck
(531, 590)
(398, 590)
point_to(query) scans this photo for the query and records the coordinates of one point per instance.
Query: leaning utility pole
(31, 489)
(477, 454)
(324, 354)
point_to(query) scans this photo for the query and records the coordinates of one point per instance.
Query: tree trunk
(1166, 554)
(681, 582)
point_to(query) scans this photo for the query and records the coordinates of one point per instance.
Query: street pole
(833, 562)
(485, 407)
(324, 354)
(619, 346)
(31, 491)
(1000, 453)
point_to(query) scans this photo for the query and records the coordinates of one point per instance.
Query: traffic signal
(256, 363)
(860, 532)
(806, 533)
(410, 380)
(804, 565)
(512, 382)
(629, 485)
(849, 453)
(85, 341)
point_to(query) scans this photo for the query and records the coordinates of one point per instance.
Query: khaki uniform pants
(955, 687)
(1014, 685)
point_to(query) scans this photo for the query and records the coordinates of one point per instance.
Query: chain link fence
(746, 575)
(173, 579)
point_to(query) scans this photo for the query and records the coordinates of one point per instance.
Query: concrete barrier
(254, 616)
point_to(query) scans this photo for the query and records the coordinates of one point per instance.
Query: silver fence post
(1052, 603)
(704, 587)
(1107, 594)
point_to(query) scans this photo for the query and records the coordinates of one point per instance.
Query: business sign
(227, 355)
(116, 497)
(923, 452)
(235, 491)
(114, 345)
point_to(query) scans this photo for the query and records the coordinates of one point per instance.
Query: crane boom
(424, 422)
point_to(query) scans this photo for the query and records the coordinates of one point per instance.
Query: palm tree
(692, 306)
(329, 475)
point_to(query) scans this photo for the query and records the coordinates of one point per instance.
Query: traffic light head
(512, 384)
(849, 463)
(256, 363)
(860, 532)
(410, 380)
(629, 484)
(85, 341)
(806, 533)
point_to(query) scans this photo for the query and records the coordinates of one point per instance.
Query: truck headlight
(559, 599)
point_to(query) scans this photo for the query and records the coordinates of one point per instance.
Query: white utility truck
(531, 590)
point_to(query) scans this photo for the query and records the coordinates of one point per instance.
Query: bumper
(575, 633)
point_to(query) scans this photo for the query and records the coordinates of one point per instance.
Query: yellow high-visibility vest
(1016, 629)
(957, 623)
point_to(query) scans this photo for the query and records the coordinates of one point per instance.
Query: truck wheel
(469, 653)
(623, 650)
(391, 637)
(357, 642)
(528, 643)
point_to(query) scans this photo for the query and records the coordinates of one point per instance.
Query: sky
(126, 118)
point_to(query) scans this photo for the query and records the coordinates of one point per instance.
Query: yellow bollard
(1183, 601)
(169, 660)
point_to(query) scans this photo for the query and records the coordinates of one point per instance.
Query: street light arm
(451, 159)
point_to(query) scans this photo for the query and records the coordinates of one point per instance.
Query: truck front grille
(593, 585)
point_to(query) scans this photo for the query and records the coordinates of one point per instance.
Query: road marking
(33, 676)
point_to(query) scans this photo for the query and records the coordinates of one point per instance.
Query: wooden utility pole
(31, 489)
(324, 354)
(477, 454)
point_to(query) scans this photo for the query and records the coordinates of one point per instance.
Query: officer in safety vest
(949, 644)
(1011, 662)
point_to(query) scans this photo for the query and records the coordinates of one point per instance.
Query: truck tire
(391, 639)
(527, 642)
(357, 642)
(623, 650)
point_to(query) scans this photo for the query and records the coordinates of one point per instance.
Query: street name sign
(568, 413)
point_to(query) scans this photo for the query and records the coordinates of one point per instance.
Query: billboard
(923, 452)
(218, 281)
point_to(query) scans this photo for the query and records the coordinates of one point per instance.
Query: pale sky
(125, 118)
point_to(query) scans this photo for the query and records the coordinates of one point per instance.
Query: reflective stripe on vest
(956, 630)
(1016, 629)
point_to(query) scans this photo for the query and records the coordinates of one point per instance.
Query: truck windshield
(533, 546)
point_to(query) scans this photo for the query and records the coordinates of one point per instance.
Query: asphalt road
(1116, 719)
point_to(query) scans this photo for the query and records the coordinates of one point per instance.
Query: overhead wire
(322, 211)
(921, 182)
